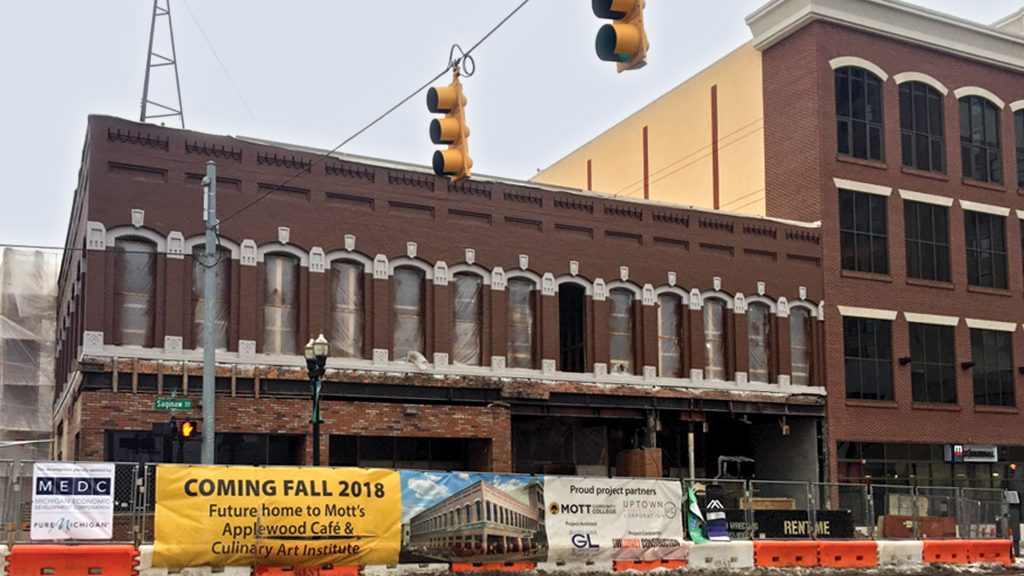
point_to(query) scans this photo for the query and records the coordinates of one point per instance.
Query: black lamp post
(316, 359)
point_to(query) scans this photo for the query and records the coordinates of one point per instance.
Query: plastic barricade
(945, 552)
(4, 550)
(306, 570)
(990, 552)
(403, 569)
(62, 560)
(785, 553)
(492, 566)
(709, 555)
(647, 565)
(588, 567)
(847, 554)
(900, 552)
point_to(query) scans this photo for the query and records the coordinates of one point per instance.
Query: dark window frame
(933, 363)
(993, 372)
(622, 330)
(670, 345)
(1018, 123)
(922, 127)
(926, 229)
(872, 349)
(864, 232)
(980, 155)
(986, 253)
(860, 120)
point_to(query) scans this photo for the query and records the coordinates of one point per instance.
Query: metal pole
(174, 57)
(149, 61)
(316, 421)
(690, 453)
(209, 310)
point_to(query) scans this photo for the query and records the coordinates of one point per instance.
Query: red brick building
(486, 325)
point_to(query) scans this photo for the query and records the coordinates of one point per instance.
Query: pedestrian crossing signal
(187, 429)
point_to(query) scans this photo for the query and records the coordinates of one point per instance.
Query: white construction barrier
(721, 555)
(900, 552)
(146, 567)
(403, 569)
(593, 566)
(4, 550)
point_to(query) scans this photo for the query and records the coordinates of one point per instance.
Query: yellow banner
(287, 516)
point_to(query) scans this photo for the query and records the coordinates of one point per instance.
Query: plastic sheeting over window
(467, 304)
(620, 332)
(800, 345)
(346, 310)
(715, 338)
(409, 326)
(759, 329)
(222, 264)
(521, 295)
(280, 304)
(670, 340)
(134, 286)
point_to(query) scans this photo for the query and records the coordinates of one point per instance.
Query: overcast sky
(313, 72)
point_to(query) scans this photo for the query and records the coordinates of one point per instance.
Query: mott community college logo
(553, 508)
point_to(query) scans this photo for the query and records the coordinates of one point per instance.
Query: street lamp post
(316, 359)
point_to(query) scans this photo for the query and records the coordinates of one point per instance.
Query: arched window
(715, 338)
(759, 330)
(922, 135)
(670, 335)
(979, 139)
(134, 292)
(346, 309)
(521, 310)
(859, 113)
(620, 331)
(1018, 123)
(221, 305)
(572, 324)
(800, 345)
(467, 306)
(280, 304)
(409, 327)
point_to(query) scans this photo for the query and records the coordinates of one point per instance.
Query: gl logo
(583, 541)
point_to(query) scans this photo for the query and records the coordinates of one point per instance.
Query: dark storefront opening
(925, 465)
(410, 453)
(250, 449)
(572, 323)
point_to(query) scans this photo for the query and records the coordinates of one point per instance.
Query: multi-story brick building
(900, 130)
(485, 325)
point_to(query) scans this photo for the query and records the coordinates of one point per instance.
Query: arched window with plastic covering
(522, 308)
(222, 297)
(716, 338)
(621, 322)
(134, 292)
(346, 328)
(468, 309)
(280, 304)
(801, 345)
(759, 336)
(670, 335)
(408, 296)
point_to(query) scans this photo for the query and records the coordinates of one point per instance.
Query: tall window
(859, 113)
(986, 249)
(280, 304)
(620, 331)
(221, 305)
(932, 368)
(134, 292)
(467, 304)
(572, 322)
(715, 338)
(521, 310)
(927, 228)
(993, 367)
(922, 135)
(979, 139)
(409, 327)
(800, 345)
(867, 344)
(1018, 123)
(670, 336)
(863, 232)
(346, 309)
(759, 330)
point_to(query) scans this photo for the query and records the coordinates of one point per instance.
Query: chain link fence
(753, 508)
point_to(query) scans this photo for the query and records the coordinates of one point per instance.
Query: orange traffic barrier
(945, 552)
(646, 565)
(492, 566)
(990, 552)
(84, 560)
(327, 570)
(847, 553)
(785, 553)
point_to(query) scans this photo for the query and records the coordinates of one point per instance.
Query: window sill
(931, 283)
(996, 187)
(881, 165)
(940, 407)
(853, 402)
(866, 275)
(925, 173)
(996, 409)
(990, 291)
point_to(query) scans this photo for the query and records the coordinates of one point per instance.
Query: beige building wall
(681, 144)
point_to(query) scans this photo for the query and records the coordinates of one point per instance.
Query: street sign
(172, 404)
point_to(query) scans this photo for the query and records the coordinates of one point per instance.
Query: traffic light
(187, 429)
(451, 130)
(623, 41)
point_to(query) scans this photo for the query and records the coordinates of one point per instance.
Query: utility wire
(328, 154)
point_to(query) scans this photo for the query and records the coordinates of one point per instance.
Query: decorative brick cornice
(573, 203)
(411, 179)
(348, 170)
(137, 138)
(282, 161)
(204, 149)
(624, 211)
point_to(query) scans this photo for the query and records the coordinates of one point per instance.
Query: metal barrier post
(961, 520)
(5, 493)
(136, 527)
(147, 480)
(915, 513)
(748, 512)
(812, 526)
(872, 521)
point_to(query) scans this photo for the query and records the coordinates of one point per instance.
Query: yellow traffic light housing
(624, 41)
(450, 130)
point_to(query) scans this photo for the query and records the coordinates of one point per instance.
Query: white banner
(72, 500)
(613, 519)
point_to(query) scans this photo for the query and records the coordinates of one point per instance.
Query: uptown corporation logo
(671, 509)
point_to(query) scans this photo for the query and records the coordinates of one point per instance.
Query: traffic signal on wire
(624, 40)
(451, 130)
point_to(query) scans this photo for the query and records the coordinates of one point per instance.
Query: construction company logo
(643, 508)
(583, 541)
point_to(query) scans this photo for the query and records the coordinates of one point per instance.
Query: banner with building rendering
(613, 519)
(280, 516)
(472, 517)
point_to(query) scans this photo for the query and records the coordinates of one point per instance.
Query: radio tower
(161, 9)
